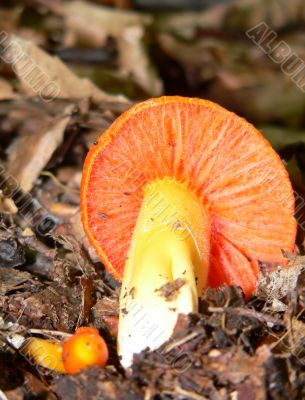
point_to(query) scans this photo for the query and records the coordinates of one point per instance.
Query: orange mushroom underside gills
(177, 195)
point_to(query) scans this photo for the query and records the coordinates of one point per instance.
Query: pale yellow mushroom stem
(166, 268)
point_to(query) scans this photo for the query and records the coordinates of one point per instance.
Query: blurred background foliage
(146, 48)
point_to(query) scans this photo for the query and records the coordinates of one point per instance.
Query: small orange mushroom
(84, 349)
(180, 193)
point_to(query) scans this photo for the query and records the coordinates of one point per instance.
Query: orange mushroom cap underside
(222, 158)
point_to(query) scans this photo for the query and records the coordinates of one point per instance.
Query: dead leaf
(296, 338)
(76, 228)
(212, 66)
(275, 285)
(170, 290)
(95, 24)
(63, 210)
(38, 139)
(234, 16)
(40, 74)
(54, 307)
(135, 63)
(6, 91)
(9, 18)
(11, 279)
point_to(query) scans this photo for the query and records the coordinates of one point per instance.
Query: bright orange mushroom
(84, 349)
(180, 191)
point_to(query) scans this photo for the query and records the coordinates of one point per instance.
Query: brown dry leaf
(134, 61)
(203, 57)
(213, 66)
(39, 137)
(95, 384)
(10, 18)
(58, 306)
(210, 57)
(34, 385)
(6, 91)
(63, 210)
(108, 306)
(48, 77)
(243, 369)
(14, 394)
(170, 290)
(296, 338)
(273, 286)
(11, 279)
(95, 24)
(237, 15)
(75, 228)
(7, 206)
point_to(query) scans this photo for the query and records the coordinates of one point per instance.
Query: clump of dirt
(170, 290)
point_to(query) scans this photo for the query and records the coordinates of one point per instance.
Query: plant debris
(170, 290)
(67, 70)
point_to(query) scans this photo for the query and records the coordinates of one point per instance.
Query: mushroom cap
(222, 158)
(84, 349)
